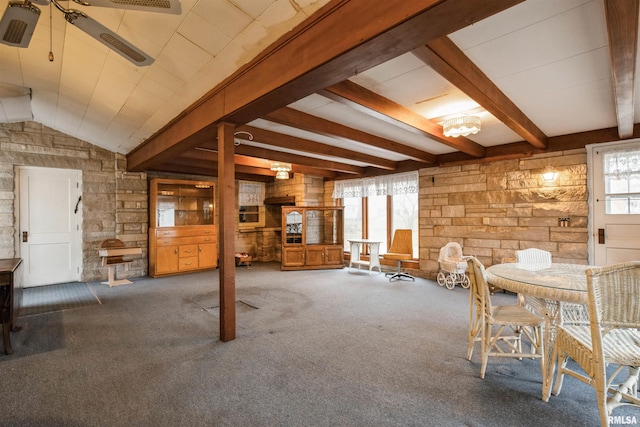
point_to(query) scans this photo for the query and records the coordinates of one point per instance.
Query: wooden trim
(622, 27)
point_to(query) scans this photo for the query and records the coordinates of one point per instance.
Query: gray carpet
(314, 348)
(65, 296)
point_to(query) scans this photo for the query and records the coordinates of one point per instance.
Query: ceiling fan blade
(18, 23)
(108, 38)
(164, 6)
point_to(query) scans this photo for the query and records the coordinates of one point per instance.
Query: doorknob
(25, 236)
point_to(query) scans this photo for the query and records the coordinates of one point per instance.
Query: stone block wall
(493, 209)
(264, 244)
(114, 203)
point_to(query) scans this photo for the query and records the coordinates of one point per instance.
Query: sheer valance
(251, 193)
(387, 185)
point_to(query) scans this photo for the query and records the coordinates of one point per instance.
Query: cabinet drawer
(188, 251)
(188, 263)
(192, 240)
(185, 232)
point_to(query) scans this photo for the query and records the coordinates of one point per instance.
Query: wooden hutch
(182, 236)
(312, 238)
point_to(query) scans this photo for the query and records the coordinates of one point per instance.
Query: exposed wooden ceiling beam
(206, 167)
(297, 159)
(294, 118)
(450, 62)
(279, 77)
(521, 149)
(312, 147)
(271, 155)
(622, 27)
(383, 108)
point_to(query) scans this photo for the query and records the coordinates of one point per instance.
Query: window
(375, 207)
(622, 182)
(352, 220)
(377, 220)
(404, 214)
(251, 204)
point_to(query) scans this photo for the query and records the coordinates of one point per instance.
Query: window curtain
(251, 193)
(387, 185)
(622, 165)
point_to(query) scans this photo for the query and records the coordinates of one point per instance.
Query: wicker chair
(401, 250)
(483, 317)
(611, 337)
(534, 256)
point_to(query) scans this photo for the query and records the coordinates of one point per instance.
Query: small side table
(10, 298)
(374, 254)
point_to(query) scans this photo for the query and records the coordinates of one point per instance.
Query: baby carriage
(453, 266)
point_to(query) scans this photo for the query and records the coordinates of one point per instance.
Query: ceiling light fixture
(281, 169)
(461, 125)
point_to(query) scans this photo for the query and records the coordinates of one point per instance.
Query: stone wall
(494, 209)
(264, 244)
(114, 203)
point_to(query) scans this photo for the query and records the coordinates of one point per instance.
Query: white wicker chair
(611, 337)
(483, 317)
(533, 256)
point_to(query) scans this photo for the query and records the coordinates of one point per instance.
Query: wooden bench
(113, 252)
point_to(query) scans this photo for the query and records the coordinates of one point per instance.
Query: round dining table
(556, 291)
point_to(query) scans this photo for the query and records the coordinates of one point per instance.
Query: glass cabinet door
(184, 204)
(333, 228)
(293, 231)
(315, 227)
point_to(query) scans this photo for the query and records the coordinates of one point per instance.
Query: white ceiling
(550, 57)
(94, 94)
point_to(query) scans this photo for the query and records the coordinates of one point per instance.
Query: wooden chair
(489, 324)
(533, 256)
(611, 337)
(401, 250)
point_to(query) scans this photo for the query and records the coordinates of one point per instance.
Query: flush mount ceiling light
(282, 169)
(461, 125)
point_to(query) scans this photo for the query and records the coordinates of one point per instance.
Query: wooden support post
(226, 233)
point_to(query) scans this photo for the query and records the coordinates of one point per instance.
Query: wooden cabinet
(183, 236)
(312, 238)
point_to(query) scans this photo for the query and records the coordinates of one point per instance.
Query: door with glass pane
(615, 202)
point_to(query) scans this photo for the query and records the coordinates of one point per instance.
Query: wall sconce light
(549, 175)
(282, 169)
(462, 125)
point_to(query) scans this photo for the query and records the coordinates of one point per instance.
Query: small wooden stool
(243, 259)
(112, 252)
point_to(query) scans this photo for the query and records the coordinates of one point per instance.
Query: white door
(49, 225)
(614, 172)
